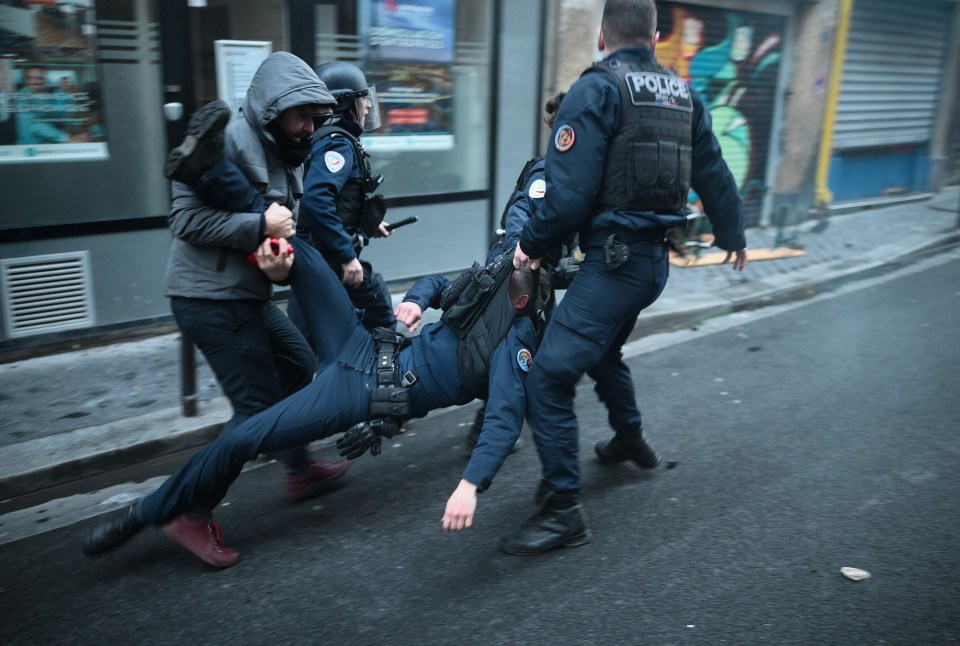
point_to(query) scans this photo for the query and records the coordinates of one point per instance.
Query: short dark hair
(521, 283)
(628, 22)
(551, 107)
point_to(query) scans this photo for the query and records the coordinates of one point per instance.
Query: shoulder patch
(524, 359)
(538, 189)
(563, 141)
(334, 161)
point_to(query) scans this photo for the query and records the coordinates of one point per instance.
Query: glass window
(430, 63)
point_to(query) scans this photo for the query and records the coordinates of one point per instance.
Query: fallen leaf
(854, 574)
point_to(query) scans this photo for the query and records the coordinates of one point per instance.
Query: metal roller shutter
(891, 73)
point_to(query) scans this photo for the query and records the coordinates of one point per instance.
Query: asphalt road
(807, 438)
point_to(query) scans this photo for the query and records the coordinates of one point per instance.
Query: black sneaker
(634, 448)
(203, 145)
(111, 533)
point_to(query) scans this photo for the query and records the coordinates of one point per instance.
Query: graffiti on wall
(732, 60)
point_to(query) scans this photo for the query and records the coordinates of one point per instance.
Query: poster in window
(49, 82)
(409, 53)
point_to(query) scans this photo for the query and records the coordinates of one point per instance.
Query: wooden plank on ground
(716, 257)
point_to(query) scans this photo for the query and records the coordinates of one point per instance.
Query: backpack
(477, 308)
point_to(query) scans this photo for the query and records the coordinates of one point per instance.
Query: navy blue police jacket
(573, 178)
(526, 203)
(333, 163)
(434, 359)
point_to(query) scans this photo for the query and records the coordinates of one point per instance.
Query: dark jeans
(258, 356)
(586, 334)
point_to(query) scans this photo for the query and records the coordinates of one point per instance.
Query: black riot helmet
(355, 97)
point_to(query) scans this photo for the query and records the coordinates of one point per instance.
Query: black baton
(401, 223)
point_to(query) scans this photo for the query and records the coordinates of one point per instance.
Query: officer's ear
(601, 44)
(520, 304)
(654, 41)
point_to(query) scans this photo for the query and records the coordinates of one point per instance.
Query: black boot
(625, 446)
(111, 533)
(544, 491)
(559, 523)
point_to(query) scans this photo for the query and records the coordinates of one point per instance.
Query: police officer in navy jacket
(630, 139)
(339, 398)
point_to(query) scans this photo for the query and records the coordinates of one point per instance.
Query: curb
(37, 465)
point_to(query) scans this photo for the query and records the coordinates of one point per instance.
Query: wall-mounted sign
(237, 61)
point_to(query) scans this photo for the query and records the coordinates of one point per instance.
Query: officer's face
(363, 105)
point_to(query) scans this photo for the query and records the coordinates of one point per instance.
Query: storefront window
(430, 62)
(49, 83)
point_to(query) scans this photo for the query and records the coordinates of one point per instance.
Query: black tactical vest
(649, 156)
(351, 200)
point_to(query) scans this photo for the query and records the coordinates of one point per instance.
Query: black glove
(363, 436)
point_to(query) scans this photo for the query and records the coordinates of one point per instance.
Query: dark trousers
(585, 335)
(337, 398)
(258, 356)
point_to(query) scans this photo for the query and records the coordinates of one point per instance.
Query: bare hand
(520, 259)
(383, 231)
(279, 221)
(275, 266)
(409, 314)
(352, 273)
(739, 262)
(460, 508)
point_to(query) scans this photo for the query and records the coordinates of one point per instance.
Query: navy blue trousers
(586, 335)
(337, 398)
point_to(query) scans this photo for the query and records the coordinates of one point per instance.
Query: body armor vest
(648, 160)
(352, 198)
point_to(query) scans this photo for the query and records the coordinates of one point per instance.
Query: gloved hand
(357, 440)
(366, 435)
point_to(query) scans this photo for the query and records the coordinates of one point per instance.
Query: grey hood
(282, 81)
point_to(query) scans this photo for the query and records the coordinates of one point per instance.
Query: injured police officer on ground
(377, 382)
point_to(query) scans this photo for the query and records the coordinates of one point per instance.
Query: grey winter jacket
(208, 257)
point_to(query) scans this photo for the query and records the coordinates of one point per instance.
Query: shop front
(84, 216)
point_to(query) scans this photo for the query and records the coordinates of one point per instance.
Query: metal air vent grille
(46, 293)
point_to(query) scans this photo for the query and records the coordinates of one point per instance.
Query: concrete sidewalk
(79, 414)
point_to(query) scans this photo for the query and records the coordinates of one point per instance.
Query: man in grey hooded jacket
(220, 300)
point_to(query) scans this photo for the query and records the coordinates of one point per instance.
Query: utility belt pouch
(390, 398)
(615, 253)
(374, 210)
(390, 402)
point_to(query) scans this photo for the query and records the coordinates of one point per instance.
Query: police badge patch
(564, 139)
(524, 359)
(538, 189)
(334, 161)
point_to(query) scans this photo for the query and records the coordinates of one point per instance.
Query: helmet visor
(368, 110)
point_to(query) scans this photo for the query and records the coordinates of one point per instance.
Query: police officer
(630, 139)
(341, 396)
(340, 211)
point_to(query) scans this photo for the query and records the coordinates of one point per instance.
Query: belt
(599, 238)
